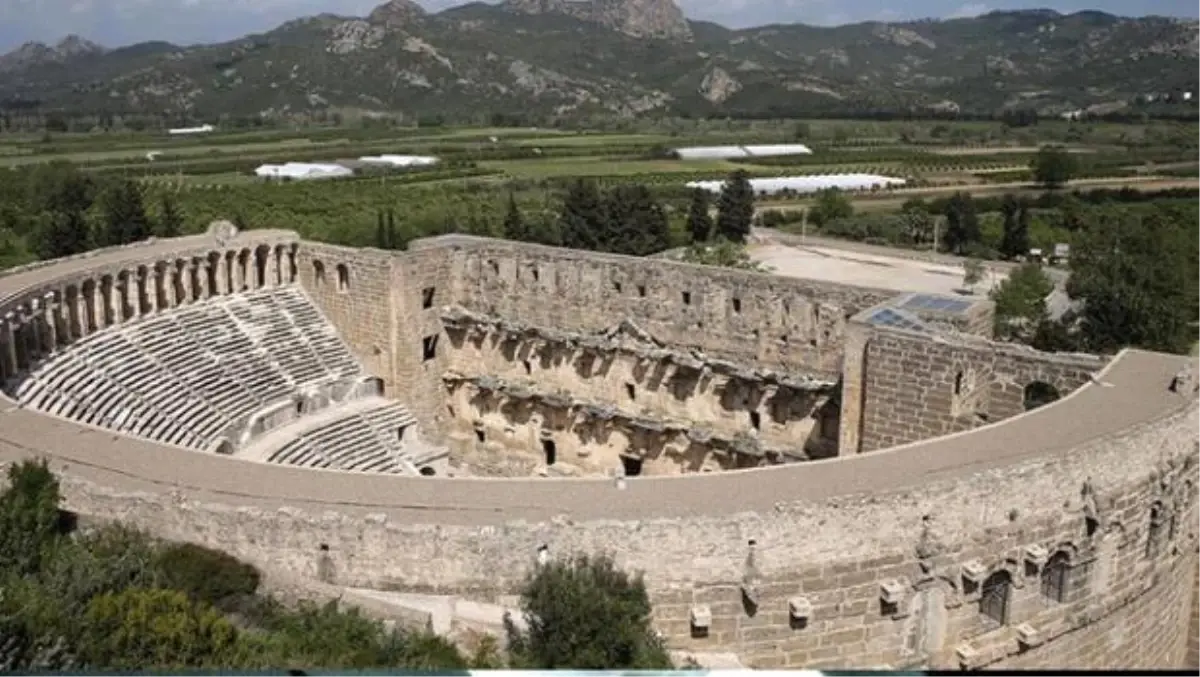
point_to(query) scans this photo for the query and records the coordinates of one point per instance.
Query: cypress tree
(581, 221)
(699, 221)
(170, 223)
(393, 237)
(125, 219)
(64, 233)
(735, 208)
(514, 224)
(381, 234)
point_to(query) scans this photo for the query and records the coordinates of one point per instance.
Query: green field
(211, 176)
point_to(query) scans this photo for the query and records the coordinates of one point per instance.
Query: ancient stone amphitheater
(808, 474)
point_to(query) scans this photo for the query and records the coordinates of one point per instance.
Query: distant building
(727, 152)
(181, 131)
(303, 171)
(808, 184)
(399, 160)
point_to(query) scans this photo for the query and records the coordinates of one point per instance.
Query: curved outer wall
(1080, 477)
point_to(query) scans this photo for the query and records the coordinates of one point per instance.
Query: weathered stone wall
(915, 388)
(657, 411)
(904, 592)
(733, 314)
(1193, 648)
(421, 285)
(352, 288)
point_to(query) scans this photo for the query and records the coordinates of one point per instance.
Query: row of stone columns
(38, 326)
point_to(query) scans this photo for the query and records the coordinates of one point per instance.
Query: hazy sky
(120, 22)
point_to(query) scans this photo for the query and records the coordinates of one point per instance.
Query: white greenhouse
(400, 160)
(808, 184)
(302, 171)
(730, 152)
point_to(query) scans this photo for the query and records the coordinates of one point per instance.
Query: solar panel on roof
(937, 303)
(886, 317)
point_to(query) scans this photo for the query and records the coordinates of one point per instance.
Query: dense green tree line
(115, 599)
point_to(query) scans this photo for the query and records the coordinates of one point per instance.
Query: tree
(380, 231)
(830, 204)
(973, 272)
(581, 221)
(514, 224)
(139, 629)
(170, 223)
(1015, 240)
(724, 254)
(1053, 166)
(699, 220)
(29, 517)
(1021, 303)
(205, 575)
(62, 233)
(635, 223)
(962, 224)
(735, 208)
(125, 219)
(1136, 272)
(583, 613)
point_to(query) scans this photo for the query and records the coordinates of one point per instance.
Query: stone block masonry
(1064, 536)
(915, 388)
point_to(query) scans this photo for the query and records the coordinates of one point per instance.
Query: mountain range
(623, 57)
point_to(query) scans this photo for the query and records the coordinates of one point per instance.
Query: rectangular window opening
(631, 391)
(429, 347)
(642, 290)
(687, 298)
(617, 287)
(737, 305)
(427, 297)
(550, 449)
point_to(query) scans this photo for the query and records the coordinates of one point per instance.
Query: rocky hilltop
(581, 57)
(637, 18)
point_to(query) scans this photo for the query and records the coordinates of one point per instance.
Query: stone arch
(261, 255)
(318, 273)
(212, 276)
(87, 319)
(293, 255)
(162, 278)
(995, 596)
(141, 279)
(1054, 576)
(243, 267)
(72, 322)
(343, 277)
(199, 281)
(127, 293)
(1037, 394)
(178, 280)
(107, 290)
(282, 266)
(230, 271)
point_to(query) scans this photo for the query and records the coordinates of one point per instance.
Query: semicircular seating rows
(189, 375)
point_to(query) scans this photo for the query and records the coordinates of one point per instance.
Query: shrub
(205, 575)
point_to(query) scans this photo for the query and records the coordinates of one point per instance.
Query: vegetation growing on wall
(116, 599)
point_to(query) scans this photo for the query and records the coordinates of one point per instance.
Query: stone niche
(526, 400)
